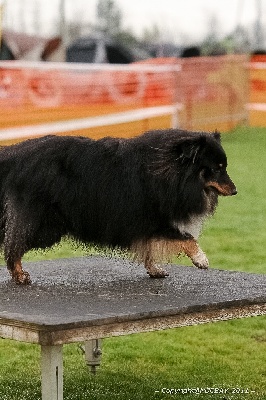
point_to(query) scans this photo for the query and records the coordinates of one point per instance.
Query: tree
(109, 17)
(211, 42)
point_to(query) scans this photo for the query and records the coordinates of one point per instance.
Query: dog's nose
(234, 191)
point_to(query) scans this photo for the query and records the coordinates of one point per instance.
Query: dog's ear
(217, 136)
(191, 147)
(173, 155)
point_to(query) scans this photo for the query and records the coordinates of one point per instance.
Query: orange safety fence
(257, 92)
(33, 94)
(210, 92)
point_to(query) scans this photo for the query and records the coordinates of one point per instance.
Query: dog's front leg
(186, 243)
(153, 270)
(149, 252)
(192, 249)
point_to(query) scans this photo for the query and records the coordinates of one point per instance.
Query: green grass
(223, 355)
(235, 237)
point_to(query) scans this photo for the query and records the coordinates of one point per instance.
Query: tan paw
(200, 260)
(22, 278)
(157, 273)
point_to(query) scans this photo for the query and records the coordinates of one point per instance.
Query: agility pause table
(86, 299)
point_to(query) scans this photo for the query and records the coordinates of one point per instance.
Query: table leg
(52, 372)
(93, 354)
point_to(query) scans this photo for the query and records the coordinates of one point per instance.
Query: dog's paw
(22, 278)
(157, 273)
(200, 260)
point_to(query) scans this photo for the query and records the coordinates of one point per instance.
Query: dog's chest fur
(193, 226)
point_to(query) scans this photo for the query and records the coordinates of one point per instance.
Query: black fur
(112, 192)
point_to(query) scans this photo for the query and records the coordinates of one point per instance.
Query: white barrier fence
(83, 123)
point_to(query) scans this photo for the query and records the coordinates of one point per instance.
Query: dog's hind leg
(13, 254)
(191, 248)
(19, 276)
(15, 234)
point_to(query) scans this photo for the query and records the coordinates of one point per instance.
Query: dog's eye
(216, 170)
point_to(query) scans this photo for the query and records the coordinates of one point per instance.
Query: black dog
(149, 194)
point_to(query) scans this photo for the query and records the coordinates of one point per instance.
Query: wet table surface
(81, 298)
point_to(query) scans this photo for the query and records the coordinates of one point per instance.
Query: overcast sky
(189, 18)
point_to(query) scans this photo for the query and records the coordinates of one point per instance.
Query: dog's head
(214, 163)
(207, 155)
(194, 158)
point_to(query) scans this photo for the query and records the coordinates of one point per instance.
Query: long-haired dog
(149, 194)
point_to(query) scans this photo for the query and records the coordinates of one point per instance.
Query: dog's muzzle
(226, 189)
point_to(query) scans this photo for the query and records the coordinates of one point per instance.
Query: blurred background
(155, 27)
(118, 68)
(84, 67)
